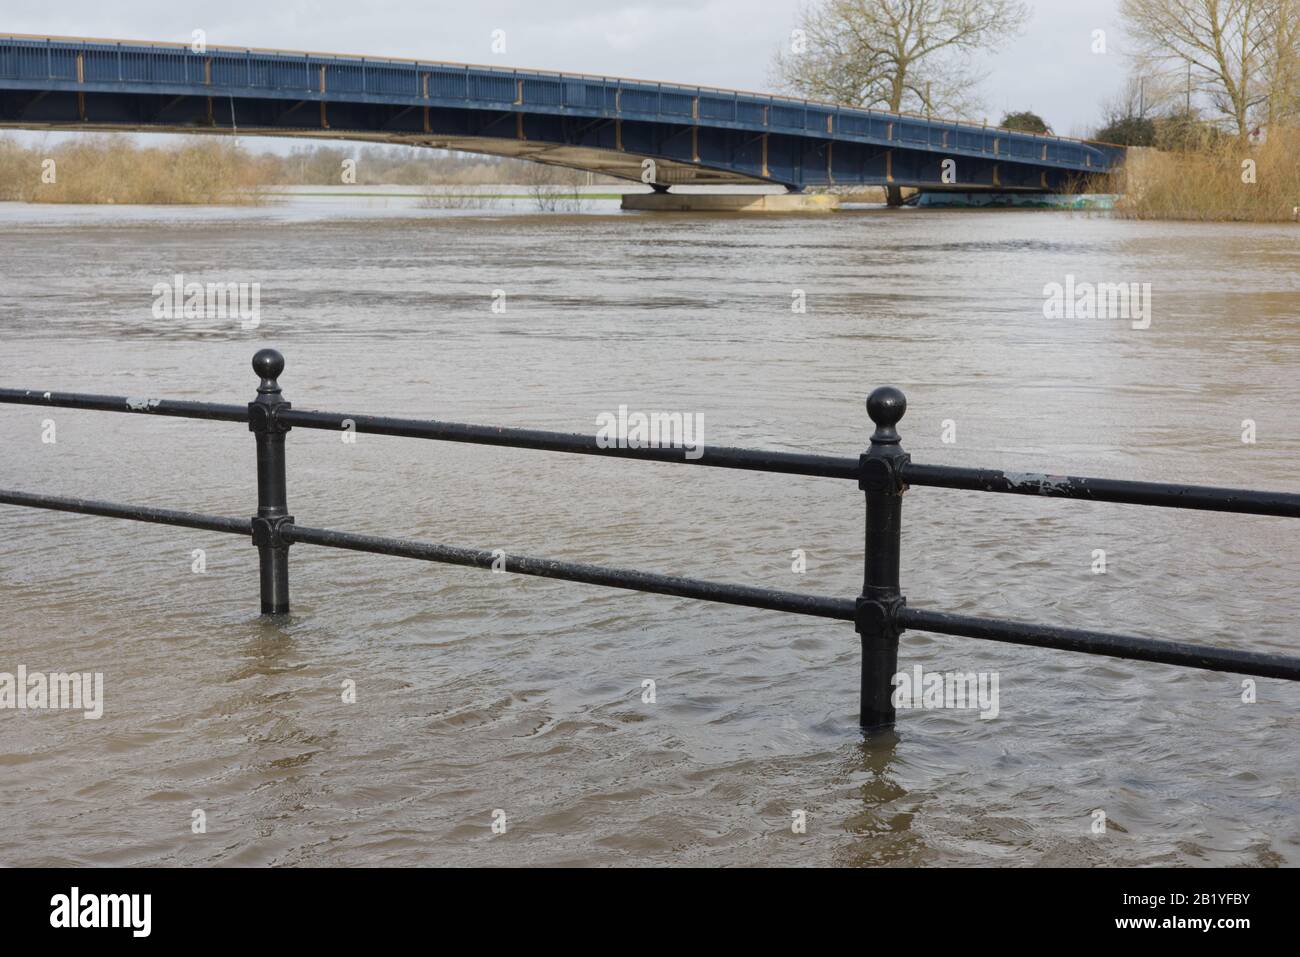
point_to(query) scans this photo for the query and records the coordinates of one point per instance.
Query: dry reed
(1223, 181)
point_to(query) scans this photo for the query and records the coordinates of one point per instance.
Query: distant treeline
(407, 166)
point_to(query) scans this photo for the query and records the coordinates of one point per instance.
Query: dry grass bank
(113, 169)
(1213, 183)
(13, 166)
(216, 170)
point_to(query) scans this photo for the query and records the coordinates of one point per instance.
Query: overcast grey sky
(1050, 69)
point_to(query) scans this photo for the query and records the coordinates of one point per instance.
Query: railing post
(272, 494)
(876, 618)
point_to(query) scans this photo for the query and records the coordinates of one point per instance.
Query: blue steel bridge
(695, 135)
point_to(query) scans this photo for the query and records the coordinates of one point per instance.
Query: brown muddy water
(479, 692)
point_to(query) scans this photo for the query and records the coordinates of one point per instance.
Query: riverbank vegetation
(1214, 90)
(1215, 94)
(1222, 180)
(116, 168)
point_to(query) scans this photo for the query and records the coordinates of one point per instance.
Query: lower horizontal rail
(841, 609)
(794, 602)
(1104, 643)
(135, 513)
(800, 604)
(1200, 497)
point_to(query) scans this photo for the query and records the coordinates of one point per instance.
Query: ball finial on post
(268, 363)
(886, 405)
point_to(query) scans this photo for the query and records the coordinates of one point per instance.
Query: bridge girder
(683, 155)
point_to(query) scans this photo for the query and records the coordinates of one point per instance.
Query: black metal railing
(884, 472)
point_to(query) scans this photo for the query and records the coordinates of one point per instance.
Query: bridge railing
(880, 613)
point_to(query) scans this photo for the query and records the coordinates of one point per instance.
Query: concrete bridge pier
(665, 202)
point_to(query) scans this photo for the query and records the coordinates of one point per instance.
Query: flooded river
(485, 698)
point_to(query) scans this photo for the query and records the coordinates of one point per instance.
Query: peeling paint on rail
(1038, 480)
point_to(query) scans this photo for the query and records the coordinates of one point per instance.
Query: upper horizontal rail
(759, 460)
(1165, 495)
(177, 408)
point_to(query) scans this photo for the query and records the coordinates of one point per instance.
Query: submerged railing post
(876, 616)
(272, 493)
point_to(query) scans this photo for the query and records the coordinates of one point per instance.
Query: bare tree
(1282, 63)
(895, 54)
(1229, 48)
(1143, 95)
(553, 188)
